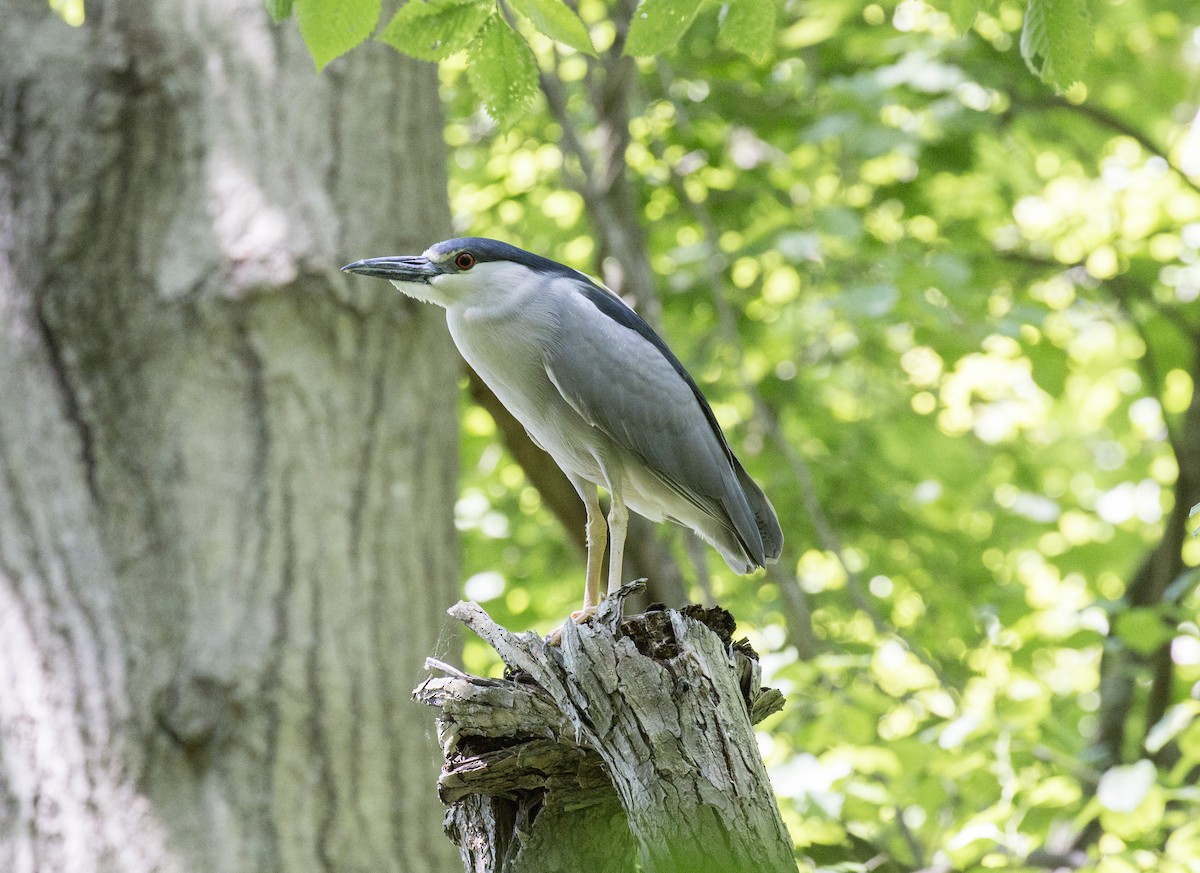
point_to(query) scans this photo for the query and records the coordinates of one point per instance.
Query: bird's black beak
(399, 269)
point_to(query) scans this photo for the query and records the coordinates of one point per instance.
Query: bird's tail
(764, 516)
(744, 529)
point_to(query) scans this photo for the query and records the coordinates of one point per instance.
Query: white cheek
(418, 291)
(457, 288)
(445, 285)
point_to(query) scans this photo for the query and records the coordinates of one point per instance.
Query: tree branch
(1103, 118)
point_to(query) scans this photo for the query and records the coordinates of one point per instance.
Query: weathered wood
(625, 738)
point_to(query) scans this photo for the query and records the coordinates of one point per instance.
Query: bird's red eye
(464, 260)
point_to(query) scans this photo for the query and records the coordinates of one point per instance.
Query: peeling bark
(627, 739)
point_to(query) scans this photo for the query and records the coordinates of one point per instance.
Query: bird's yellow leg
(618, 521)
(597, 538)
(599, 535)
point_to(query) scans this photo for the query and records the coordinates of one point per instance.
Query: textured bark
(226, 471)
(629, 738)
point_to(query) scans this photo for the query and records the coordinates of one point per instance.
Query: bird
(596, 388)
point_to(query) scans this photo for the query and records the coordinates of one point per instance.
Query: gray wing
(621, 378)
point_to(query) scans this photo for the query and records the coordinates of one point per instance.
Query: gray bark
(226, 471)
(627, 739)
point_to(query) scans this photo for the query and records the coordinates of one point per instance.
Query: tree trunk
(226, 470)
(627, 738)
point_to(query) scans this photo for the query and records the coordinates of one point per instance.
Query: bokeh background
(947, 315)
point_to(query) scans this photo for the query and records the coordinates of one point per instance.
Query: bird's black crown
(485, 250)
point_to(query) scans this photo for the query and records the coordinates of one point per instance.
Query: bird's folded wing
(621, 383)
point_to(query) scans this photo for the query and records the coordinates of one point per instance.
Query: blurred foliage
(967, 305)
(962, 304)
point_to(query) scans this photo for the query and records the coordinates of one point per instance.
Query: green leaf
(1050, 368)
(963, 13)
(558, 21)
(1132, 805)
(281, 10)
(433, 31)
(869, 301)
(1143, 630)
(503, 70)
(1123, 788)
(332, 27)
(748, 26)
(1056, 40)
(1175, 721)
(658, 25)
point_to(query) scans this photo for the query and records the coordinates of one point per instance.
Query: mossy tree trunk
(226, 470)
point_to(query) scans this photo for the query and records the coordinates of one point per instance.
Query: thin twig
(910, 839)
(1106, 119)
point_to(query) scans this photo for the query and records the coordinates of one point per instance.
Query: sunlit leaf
(1050, 368)
(1055, 791)
(1143, 630)
(963, 13)
(658, 25)
(1123, 788)
(1174, 722)
(558, 21)
(1189, 743)
(503, 70)
(437, 29)
(332, 27)
(280, 10)
(1056, 40)
(748, 26)
(1132, 803)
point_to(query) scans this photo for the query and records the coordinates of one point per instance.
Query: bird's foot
(579, 616)
(610, 609)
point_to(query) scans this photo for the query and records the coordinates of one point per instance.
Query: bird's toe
(579, 616)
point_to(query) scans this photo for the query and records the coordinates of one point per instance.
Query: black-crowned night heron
(598, 390)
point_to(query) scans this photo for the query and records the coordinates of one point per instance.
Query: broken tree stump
(629, 740)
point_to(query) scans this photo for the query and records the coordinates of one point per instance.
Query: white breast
(505, 344)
